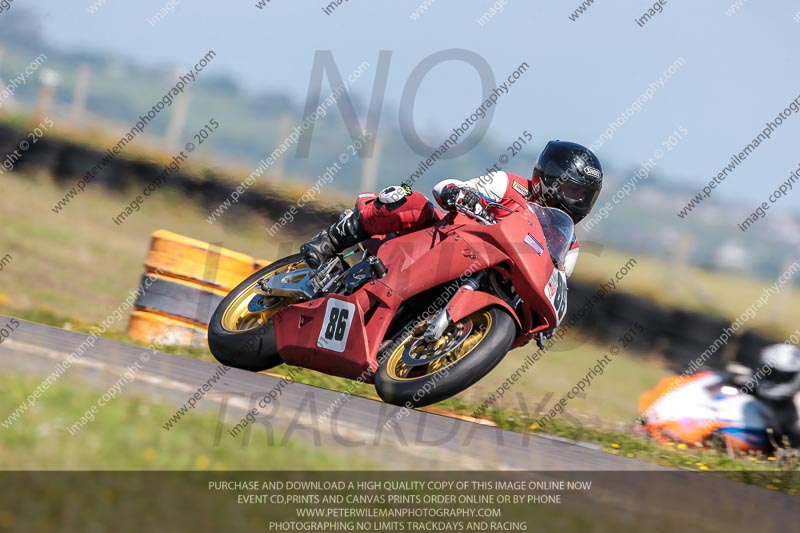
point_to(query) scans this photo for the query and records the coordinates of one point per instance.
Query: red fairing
(298, 330)
(468, 301)
(342, 335)
(377, 219)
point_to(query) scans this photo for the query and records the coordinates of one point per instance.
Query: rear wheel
(415, 373)
(245, 339)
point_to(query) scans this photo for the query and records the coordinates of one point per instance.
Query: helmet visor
(578, 197)
(780, 377)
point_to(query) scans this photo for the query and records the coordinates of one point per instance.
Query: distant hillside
(646, 222)
(121, 90)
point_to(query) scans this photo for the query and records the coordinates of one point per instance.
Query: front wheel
(415, 373)
(241, 338)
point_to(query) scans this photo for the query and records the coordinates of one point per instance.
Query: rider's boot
(337, 238)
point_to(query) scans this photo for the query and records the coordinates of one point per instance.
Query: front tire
(476, 353)
(241, 339)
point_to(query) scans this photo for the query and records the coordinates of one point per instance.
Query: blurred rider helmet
(567, 176)
(783, 382)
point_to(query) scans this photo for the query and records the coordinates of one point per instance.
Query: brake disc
(450, 345)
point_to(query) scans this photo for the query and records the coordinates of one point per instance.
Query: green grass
(611, 399)
(127, 435)
(78, 262)
(719, 294)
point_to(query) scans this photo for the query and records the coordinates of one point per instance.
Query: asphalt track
(419, 440)
(636, 492)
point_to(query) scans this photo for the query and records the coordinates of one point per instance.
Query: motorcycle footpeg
(378, 268)
(540, 340)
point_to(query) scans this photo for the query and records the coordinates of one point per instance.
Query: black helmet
(567, 176)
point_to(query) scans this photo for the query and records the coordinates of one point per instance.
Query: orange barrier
(193, 277)
(150, 327)
(197, 261)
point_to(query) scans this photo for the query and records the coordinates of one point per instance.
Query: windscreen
(558, 231)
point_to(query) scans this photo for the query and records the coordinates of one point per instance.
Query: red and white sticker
(556, 292)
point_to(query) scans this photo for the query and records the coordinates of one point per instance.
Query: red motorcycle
(423, 316)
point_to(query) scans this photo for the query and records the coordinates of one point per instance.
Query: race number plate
(336, 328)
(556, 292)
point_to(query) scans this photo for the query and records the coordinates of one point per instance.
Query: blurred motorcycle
(711, 408)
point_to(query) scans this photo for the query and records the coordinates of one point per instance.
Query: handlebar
(488, 218)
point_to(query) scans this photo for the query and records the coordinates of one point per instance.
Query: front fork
(467, 300)
(439, 325)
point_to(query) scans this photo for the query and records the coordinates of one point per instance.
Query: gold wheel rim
(237, 317)
(398, 370)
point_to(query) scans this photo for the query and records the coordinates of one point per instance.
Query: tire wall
(188, 279)
(68, 162)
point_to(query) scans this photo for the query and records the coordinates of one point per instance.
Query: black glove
(453, 195)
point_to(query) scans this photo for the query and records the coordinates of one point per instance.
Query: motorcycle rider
(780, 389)
(566, 176)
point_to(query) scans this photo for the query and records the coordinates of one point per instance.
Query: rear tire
(457, 376)
(254, 349)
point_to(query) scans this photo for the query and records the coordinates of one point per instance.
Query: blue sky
(740, 70)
